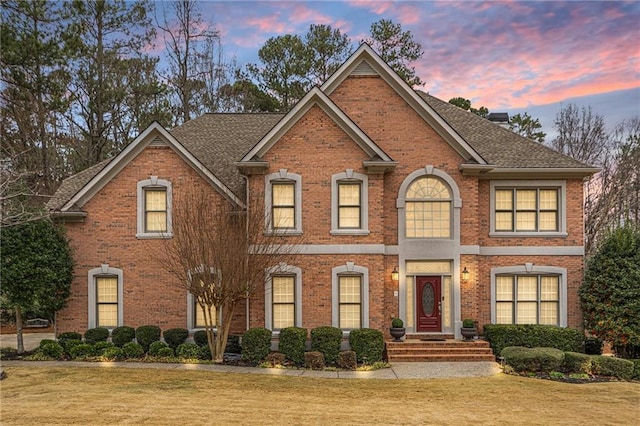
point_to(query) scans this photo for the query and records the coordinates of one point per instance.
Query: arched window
(428, 203)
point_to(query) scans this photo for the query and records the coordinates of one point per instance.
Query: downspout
(246, 179)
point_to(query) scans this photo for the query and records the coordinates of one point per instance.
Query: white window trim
(283, 176)
(350, 268)
(519, 184)
(534, 270)
(153, 182)
(106, 271)
(268, 307)
(349, 176)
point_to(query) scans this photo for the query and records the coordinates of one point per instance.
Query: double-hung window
(283, 202)
(154, 208)
(527, 299)
(349, 207)
(283, 301)
(107, 301)
(350, 301)
(349, 203)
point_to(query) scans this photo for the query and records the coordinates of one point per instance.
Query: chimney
(499, 118)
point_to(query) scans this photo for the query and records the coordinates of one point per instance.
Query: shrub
(133, 350)
(200, 337)
(593, 346)
(100, 347)
(575, 362)
(122, 335)
(292, 344)
(347, 360)
(501, 336)
(94, 335)
(46, 342)
(146, 335)
(155, 347)
(81, 351)
(636, 369)
(397, 323)
(69, 335)
(468, 323)
(615, 367)
(256, 344)
(314, 360)
(175, 336)
(165, 352)
(188, 351)
(368, 344)
(205, 353)
(233, 345)
(327, 340)
(275, 359)
(533, 359)
(113, 354)
(70, 344)
(51, 349)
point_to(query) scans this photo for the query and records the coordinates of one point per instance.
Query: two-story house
(409, 207)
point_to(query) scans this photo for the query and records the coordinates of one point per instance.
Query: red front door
(428, 304)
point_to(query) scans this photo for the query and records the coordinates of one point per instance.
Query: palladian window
(428, 209)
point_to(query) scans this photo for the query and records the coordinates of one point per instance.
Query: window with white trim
(350, 298)
(527, 299)
(283, 197)
(428, 209)
(283, 297)
(349, 203)
(528, 208)
(105, 297)
(154, 208)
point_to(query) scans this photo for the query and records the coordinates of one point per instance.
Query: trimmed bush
(200, 337)
(533, 359)
(368, 344)
(292, 344)
(51, 349)
(575, 362)
(205, 353)
(69, 335)
(95, 335)
(174, 337)
(275, 359)
(188, 351)
(82, 351)
(314, 360)
(146, 335)
(122, 335)
(593, 346)
(327, 340)
(347, 360)
(46, 342)
(614, 367)
(100, 347)
(133, 350)
(155, 347)
(256, 344)
(113, 354)
(636, 369)
(233, 345)
(70, 344)
(397, 323)
(165, 352)
(501, 336)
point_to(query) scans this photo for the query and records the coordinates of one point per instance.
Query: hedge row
(547, 360)
(501, 336)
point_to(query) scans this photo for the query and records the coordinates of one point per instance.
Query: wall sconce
(395, 275)
(465, 274)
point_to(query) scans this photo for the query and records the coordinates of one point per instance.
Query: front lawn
(157, 396)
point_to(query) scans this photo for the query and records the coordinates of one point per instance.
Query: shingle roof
(219, 140)
(499, 146)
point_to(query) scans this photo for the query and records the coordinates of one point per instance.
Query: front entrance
(429, 304)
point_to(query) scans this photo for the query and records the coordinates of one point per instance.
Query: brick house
(409, 206)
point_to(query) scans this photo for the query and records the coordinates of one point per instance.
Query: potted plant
(397, 329)
(468, 330)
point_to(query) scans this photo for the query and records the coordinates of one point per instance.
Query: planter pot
(468, 333)
(397, 333)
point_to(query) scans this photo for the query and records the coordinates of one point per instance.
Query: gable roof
(315, 97)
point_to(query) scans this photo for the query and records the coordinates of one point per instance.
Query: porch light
(465, 274)
(394, 274)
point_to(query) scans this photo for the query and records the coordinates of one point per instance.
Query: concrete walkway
(399, 370)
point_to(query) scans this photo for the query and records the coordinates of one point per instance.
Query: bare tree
(220, 254)
(581, 134)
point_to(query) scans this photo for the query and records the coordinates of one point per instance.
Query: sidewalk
(399, 370)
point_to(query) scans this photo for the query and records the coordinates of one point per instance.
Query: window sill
(349, 232)
(150, 236)
(279, 232)
(527, 234)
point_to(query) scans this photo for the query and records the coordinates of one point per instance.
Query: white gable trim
(149, 135)
(316, 97)
(428, 114)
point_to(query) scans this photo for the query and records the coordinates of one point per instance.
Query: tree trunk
(20, 344)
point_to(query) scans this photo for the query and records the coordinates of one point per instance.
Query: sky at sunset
(508, 56)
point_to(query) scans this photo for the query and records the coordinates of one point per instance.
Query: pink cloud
(377, 7)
